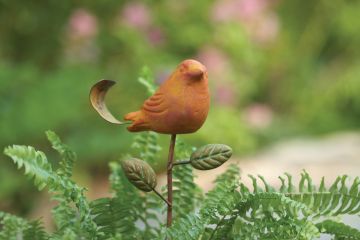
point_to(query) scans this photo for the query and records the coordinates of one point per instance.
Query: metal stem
(181, 162)
(161, 196)
(169, 179)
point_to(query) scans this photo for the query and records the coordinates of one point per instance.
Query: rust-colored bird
(180, 105)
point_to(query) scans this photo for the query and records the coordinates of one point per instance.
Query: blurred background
(284, 75)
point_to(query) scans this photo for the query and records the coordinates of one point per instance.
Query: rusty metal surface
(97, 99)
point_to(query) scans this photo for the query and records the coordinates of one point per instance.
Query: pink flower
(219, 69)
(225, 95)
(224, 11)
(136, 15)
(250, 9)
(82, 24)
(266, 29)
(256, 16)
(155, 36)
(228, 10)
(258, 115)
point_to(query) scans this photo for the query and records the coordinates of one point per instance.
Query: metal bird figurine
(180, 105)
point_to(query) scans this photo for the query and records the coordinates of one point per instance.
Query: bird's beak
(196, 71)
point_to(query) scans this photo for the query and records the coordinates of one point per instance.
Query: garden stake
(180, 105)
(169, 179)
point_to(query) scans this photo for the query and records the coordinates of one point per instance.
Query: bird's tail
(139, 123)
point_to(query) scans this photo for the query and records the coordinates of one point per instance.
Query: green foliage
(35, 163)
(45, 58)
(217, 209)
(135, 207)
(339, 230)
(68, 156)
(11, 226)
(147, 80)
(15, 228)
(111, 217)
(186, 194)
(35, 231)
(230, 210)
(37, 166)
(145, 143)
(130, 204)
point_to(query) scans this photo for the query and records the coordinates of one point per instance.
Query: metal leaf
(97, 99)
(210, 156)
(140, 174)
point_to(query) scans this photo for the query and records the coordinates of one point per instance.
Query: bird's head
(192, 70)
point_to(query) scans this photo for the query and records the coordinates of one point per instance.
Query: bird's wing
(156, 104)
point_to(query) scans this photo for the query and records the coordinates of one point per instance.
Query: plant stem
(181, 162)
(169, 179)
(161, 196)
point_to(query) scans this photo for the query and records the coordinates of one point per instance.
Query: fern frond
(273, 228)
(182, 150)
(68, 156)
(142, 208)
(67, 234)
(65, 216)
(339, 230)
(12, 226)
(35, 231)
(146, 144)
(35, 163)
(218, 210)
(110, 215)
(125, 192)
(185, 191)
(147, 147)
(275, 204)
(338, 199)
(147, 80)
(214, 213)
(37, 166)
(188, 228)
(225, 183)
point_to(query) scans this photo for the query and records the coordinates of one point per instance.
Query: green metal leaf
(140, 174)
(210, 156)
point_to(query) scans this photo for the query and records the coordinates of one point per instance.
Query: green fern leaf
(185, 192)
(188, 228)
(12, 226)
(68, 156)
(147, 147)
(339, 230)
(140, 207)
(110, 215)
(147, 80)
(35, 231)
(35, 163)
(37, 166)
